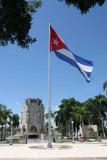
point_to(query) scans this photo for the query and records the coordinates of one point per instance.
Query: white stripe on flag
(69, 54)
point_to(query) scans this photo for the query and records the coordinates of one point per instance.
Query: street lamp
(102, 126)
(102, 121)
(11, 128)
(72, 122)
(11, 123)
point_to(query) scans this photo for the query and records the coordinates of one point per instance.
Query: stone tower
(32, 117)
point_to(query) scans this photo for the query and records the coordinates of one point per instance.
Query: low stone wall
(18, 138)
(23, 139)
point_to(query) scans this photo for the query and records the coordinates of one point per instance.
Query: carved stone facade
(32, 118)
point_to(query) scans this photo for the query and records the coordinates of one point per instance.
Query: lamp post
(102, 122)
(72, 122)
(103, 127)
(11, 123)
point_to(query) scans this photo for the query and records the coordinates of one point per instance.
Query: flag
(61, 50)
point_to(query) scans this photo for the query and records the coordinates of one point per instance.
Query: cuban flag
(61, 50)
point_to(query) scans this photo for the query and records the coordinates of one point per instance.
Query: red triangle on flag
(56, 43)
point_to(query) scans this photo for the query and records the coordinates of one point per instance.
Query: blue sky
(24, 72)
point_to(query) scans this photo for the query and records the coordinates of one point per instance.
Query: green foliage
(15, 119)
(16, 18)
(51, 114)
(84, 5)
(6, 116)
(92, 111)
(65, 114)
(16, 21)
(105, 87)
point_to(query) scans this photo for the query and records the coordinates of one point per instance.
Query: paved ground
(62, 151)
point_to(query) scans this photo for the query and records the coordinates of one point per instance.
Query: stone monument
(32, 118)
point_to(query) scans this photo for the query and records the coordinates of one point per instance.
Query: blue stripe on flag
(65, 58)
(81, 60)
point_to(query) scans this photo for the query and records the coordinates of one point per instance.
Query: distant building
(32, 118)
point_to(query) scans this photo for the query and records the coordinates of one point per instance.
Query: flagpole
(49, 145)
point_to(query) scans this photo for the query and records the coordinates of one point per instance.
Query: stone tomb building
(32, 118)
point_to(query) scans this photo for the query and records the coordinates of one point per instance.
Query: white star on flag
(55, 42)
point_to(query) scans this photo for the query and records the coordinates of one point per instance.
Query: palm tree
(101, 101)
(90, 112)
(4, 114)
(7, 113)
(105, 87)
(15, 119)
(101, 106)
(47, 114)
(65, 115)
(60, 122)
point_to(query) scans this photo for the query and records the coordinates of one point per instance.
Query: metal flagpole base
(49, 145)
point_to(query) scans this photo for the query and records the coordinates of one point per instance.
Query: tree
(15, 119)
(80, 114)
(92, 111)
(89, 111)
(65, 115)
(16, 18)
(96, 109)
(83, 5)
(102, 104)
(16, 21)
(105, 87)
(4, 114)
(47, 115)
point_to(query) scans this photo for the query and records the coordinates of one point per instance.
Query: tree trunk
(1, 133)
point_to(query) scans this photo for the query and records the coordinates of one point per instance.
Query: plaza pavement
(61, 151)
